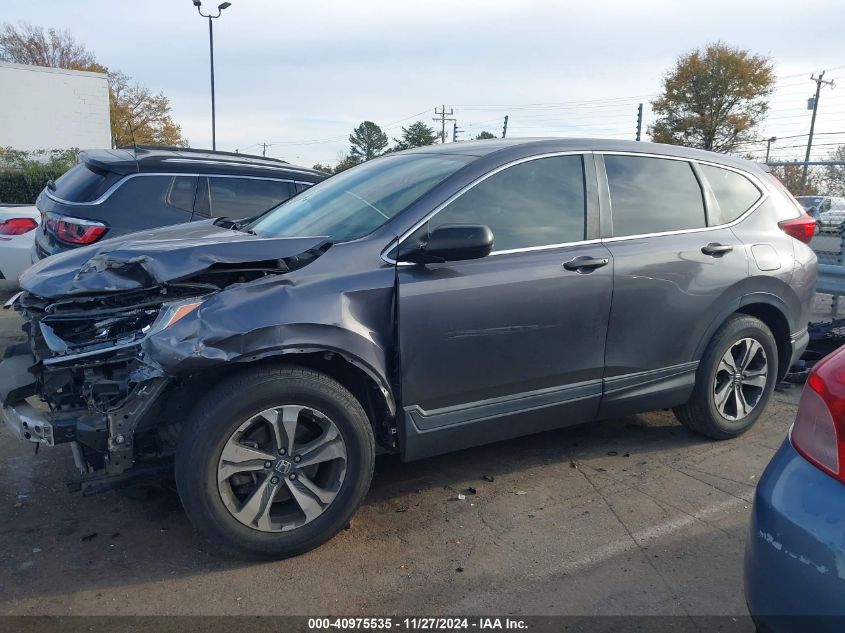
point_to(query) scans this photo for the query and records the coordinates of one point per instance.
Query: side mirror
(452, 243)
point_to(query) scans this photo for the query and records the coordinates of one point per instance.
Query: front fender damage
(274, 316)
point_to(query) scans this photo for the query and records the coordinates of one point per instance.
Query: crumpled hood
(150, 258)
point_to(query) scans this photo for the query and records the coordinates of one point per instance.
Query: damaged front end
(84, 362)
(85, 376)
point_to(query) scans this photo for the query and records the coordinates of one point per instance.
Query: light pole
(220, 8)
(769, 146)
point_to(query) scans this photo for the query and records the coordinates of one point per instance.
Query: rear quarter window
(142, 200)
(735, 194)
(82, 183)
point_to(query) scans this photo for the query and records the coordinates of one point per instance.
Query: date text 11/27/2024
(417, 624)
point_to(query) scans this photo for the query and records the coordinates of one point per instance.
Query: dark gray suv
(420, 303)
(114, 192)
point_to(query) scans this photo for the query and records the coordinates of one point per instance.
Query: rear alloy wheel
(734, 381)
(274, 461)
(741, 378)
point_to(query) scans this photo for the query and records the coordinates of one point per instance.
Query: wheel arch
(371, 390)
(771, 310)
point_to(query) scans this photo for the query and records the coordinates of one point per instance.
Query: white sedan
(17, 236)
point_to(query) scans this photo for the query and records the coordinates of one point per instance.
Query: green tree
(132, 105)
(713, 98)
(366, 141)
(417, 134)
(24, 174)
(484, 135)
(345, 161)
(326, 169)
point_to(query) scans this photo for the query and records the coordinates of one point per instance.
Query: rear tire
(732, 390)
(274, 461)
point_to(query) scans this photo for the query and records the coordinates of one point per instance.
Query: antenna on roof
(132, 134)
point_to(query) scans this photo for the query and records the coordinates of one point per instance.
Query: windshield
(356, 202)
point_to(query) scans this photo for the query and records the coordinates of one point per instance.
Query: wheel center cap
(283, 466)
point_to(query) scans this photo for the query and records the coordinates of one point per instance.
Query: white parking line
(604, 553)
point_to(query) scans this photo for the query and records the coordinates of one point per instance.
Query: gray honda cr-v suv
(420, 303)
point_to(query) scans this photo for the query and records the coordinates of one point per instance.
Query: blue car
(795, 556)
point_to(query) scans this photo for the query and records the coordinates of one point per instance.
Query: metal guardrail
(830, 251)
(831, 279)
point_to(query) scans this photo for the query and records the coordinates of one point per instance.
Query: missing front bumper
(28, 424)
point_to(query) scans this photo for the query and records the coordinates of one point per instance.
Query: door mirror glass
(451, 243)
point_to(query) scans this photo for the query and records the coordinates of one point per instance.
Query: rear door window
(735, 194)
(82, 183)
(653, 195)
(245, 197)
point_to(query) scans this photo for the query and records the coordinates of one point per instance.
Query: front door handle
(715, 249)
(584, 264)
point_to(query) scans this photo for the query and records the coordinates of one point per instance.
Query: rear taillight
(17, 226)
(819, 429)
(74, 230)
(804, 226)
(801, 228)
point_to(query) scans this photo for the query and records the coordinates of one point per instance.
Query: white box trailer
(53, 108)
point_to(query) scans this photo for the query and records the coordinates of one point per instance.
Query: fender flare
(352, 359)
(734, 306)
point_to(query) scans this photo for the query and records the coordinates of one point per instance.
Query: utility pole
(264, 147)
(455, 131)
(442, 117)
(505, 127)
(815, 103)
(769, 146)
(639, 120)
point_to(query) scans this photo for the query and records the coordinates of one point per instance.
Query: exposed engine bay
(91, 358)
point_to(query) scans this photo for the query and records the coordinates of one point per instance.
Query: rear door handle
(585, 264)
(716, 250)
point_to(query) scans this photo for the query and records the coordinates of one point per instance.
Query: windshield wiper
(235, 225)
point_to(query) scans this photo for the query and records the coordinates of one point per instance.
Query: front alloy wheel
(282, 468)
(274, 461)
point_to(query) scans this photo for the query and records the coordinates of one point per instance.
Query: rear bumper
(795, 554)
(15, 255)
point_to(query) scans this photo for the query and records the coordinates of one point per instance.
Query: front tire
(734, 381)
(274, 462)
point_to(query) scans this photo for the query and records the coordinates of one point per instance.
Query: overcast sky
(301, 75)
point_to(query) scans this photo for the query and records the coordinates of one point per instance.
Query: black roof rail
(177, 148)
